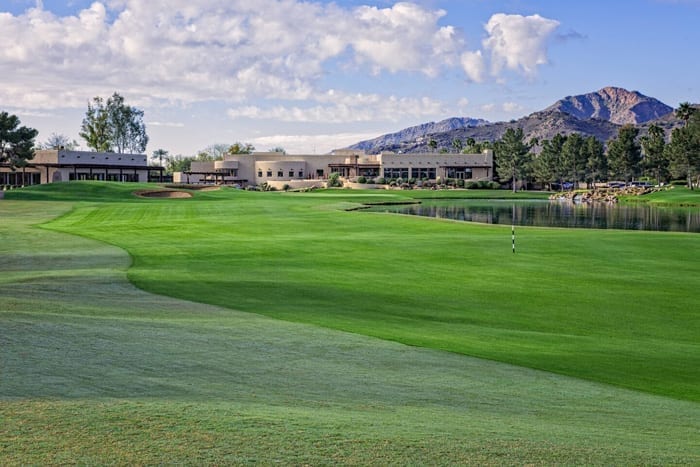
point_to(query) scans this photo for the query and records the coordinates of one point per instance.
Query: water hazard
(557, 214)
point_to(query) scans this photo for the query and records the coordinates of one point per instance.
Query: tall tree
(624, 153)
(59, 141)
(457, 145)
(128, 131)
(432, 144)
(547, 165)
(596, 162)
(114, 126)
(655, 159)
(16, 142)
(573, 158)
(684, 150)
(160, 154)
(95, 129)
(512, 156)
(685, 111)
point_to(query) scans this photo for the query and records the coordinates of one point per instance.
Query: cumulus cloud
(184, 51)
(518, 43)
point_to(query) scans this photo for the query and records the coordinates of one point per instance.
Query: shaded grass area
(618, 307)
(93, 370)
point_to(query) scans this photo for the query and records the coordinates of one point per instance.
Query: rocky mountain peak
(614, 104)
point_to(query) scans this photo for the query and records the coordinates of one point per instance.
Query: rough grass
(95, 371)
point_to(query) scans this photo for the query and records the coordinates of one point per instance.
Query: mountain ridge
(599, 114)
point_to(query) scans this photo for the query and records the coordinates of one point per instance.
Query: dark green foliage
(361, 179)
(625, 154)
(16, 142)
(683, 151)
(655, 160)
(512, 156)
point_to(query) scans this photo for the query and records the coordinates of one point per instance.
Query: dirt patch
(162, 194)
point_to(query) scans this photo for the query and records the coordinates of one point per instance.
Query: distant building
(278, 169)
(59, 165)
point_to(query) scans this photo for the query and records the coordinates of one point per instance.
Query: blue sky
(311, 76)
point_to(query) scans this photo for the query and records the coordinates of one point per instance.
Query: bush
(361, 179)
(494, 185)
(483, 184)
(334, 180)
(678, 182)
(460, 183)
(471, 185)
(380, 181)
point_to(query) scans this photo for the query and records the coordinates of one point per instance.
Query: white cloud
(335, 107)
(518, 43)
(310, 144)
(184, 51)
(511, 107)
(474, 65)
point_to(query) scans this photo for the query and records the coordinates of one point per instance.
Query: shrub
(483, 184)
(334, 180)
(494, 185)
(678, 182)
(380, 181)
(471, 185)
(286, 187)
(460, 183)
(361, 179)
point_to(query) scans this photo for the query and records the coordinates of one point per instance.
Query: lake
(556, 214)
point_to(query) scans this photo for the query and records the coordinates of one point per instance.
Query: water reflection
(558, 214)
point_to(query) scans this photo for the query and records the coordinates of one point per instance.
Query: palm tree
(685, 111)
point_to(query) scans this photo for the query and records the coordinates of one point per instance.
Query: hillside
(599, 114)
(613, 104)
(417, 132)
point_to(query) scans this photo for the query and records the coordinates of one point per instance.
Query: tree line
(576, 159)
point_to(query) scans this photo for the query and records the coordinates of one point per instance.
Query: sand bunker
(162, 194)
(185, 186)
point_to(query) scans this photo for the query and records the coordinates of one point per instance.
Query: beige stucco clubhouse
(278, 169)
(60, 165)
(274, 168)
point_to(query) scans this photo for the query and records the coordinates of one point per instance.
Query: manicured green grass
(674, 196)
(617, 307)
(95, 371)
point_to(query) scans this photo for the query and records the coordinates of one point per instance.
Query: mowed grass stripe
(94, 370)
(613, 306)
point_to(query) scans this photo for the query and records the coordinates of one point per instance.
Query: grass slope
(611, 306)
(95, 371)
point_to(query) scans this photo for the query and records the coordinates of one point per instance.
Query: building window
(460, 173)
(269, 173)
(260, 173)
(396, 172)
(291, 173)
(280, 174)
(421, 173)
(301, 174)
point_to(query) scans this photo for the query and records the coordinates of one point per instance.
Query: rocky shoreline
(601, 195)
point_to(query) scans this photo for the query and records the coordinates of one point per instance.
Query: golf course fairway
(279, 327)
